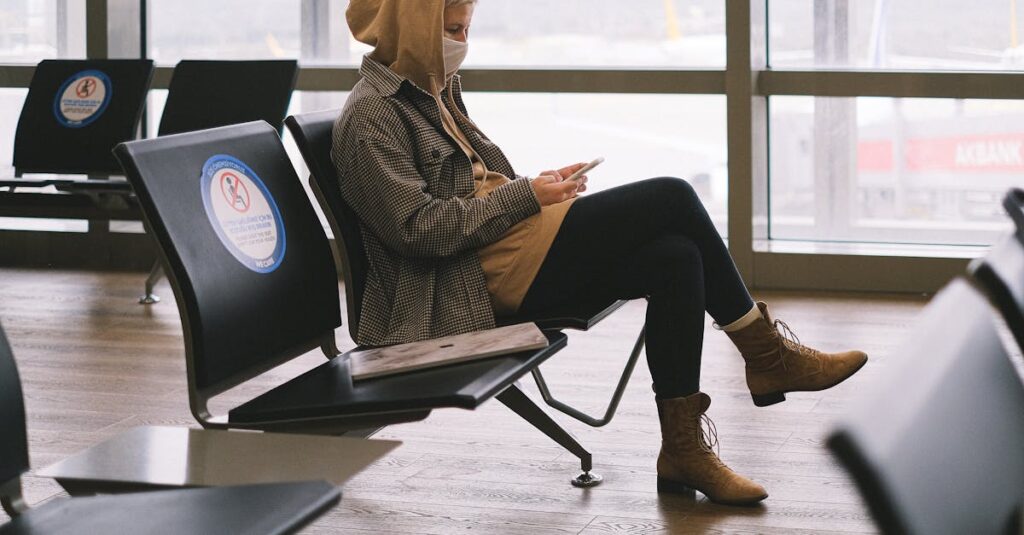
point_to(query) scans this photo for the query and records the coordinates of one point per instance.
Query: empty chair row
(936, 448)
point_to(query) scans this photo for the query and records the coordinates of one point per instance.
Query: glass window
(904, 35)
(33, 30)
(11, 101)
(640, 136)
(566, 33)
(226, 29)
(893, 170)
(573, 33)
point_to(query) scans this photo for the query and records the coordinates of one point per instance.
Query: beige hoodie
(407, 37)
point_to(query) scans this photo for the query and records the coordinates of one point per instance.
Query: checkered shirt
(411, 186)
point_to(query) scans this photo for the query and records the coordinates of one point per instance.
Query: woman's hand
(550, 188)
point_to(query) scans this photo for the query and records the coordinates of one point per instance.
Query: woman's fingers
(552, 173)
(582, 184)
(567, 171)
(551, 189)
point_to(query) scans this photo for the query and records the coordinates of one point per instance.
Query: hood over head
(406, 36)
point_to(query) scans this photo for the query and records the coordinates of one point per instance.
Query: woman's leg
(647, 239)
(603, 228)
(668, 271)
(654, 239)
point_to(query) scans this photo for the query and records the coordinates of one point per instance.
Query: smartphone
(583, 170)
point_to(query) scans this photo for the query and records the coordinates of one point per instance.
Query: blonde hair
(453, 3)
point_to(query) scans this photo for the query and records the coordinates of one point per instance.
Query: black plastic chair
(1000, 273)
(256, 286)
(208, 94)
(253, 509)
(937, 448)
(312, 133)
(75, 112)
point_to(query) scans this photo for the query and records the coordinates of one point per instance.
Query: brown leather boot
(778, 363)
(687, 462)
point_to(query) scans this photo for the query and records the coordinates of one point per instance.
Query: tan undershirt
(511, 263)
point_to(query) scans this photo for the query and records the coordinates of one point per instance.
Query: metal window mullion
(897, 84)
(746, 54)
(96, 35)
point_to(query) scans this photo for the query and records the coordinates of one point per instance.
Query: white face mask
(454, 54)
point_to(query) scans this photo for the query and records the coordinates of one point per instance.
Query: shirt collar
(388, 82)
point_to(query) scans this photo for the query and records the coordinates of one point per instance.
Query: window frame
(748, 85)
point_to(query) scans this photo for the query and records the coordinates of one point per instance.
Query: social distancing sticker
(243, 213)
(82, 98)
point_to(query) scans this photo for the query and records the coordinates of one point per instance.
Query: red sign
(991, 153)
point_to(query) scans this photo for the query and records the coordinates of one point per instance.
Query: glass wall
(893, 170)
(887, 122)
(225, 29)
(662, 33)
(34, 30)
(897, 34)
(639, 136)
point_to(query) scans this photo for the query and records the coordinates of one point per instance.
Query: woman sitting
(454, 237)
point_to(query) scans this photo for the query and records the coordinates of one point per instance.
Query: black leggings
(650, 239)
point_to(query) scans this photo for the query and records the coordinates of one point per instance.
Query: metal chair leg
(613, 405)
(13, 502)
(517, 400)
(155, 275)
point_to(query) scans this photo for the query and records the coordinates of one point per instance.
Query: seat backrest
(248, 260)
(312, 133)
(1013, 202)
(208, 94)
(76, 111)
(1000, 273)
(937, 447)
(13, 439)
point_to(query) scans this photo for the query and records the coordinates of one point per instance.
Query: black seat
(1000, 273)
(208, 94)
(312, 133)
(937, 447)
(256, 286)
(253, 509)
(74, 114)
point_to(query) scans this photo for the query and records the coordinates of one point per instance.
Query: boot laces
(788, 338)
(707, 435)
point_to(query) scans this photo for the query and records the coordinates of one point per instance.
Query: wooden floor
(94, 363)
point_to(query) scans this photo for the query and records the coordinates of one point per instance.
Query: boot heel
(674, 487)
(764, 400)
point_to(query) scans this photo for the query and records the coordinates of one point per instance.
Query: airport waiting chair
(1000, 273)
(207, 94)
(74, 114)
(312, 133)
(937, 447)
(251, 509)
(256, 286)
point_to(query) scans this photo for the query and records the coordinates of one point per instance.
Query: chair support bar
(613, 405)
(515, 399)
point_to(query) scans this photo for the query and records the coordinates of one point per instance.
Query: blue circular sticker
(243, 213)
(82, 98)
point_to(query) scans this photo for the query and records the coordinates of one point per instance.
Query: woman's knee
(676, 190)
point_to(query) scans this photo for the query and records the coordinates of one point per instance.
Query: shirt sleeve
(382, 185)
